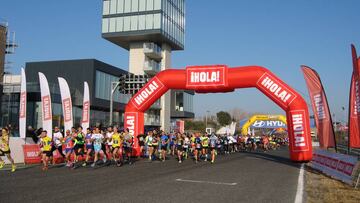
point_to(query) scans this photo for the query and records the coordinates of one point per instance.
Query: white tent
(229, 129)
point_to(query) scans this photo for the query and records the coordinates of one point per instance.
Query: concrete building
(99, 76)
(150, 30)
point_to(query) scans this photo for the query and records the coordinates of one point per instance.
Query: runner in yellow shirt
(116, 146)
(45, 145)
(5, 149)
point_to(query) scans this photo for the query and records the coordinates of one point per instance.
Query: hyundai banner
(268, 124)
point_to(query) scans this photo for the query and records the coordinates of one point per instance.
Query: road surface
(238, 177)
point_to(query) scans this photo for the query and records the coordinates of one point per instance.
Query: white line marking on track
(300, 186)
(207, 182)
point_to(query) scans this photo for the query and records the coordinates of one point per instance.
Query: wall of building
(2, 49)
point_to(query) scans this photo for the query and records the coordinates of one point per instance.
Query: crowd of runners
(114, 146)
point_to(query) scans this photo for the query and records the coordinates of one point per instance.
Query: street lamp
(114, 86)
(206, 118)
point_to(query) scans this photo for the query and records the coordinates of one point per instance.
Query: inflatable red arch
(220, 78)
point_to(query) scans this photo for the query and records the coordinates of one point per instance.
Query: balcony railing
(151, 67)
(152, 51)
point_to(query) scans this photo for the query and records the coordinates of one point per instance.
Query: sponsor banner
(131, 122)
(325, 131)
(22, 109)
(200, 76)
(146, 93)
(85, 122)
(180, 126)
(276, 89)
(268, 124)
(46, 104)
(339, 166)
(354, 130)
(354, 102)
(66, 103)
(31, 154)
(299, 130)
(67, 110)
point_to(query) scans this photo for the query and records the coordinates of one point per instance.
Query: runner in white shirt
(186, 146)
(58, 141)
(97, 139)
(109, 134)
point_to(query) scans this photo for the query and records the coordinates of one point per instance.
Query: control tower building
(150, 30)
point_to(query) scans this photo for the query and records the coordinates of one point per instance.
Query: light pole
(114, 86)
(206, 118)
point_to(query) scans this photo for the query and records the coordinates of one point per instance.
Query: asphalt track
(238, 177)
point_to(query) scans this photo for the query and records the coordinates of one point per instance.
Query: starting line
(206, 182)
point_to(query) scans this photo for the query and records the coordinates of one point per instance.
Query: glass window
(119, 24)
(120, 6)
(134, 22)
(134, 5)
(179, 101)
(142, 5)
(141, 22)
(149, 5)
(113, 6)
(127, 7)
(127, 23)
(149, 21)
(105, 25)
(157, 4)
(106, 7)
(112, 25)
(157, 20)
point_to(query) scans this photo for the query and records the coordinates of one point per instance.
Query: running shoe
(93, 165)
(180, 162)
(2, 164)
(84, 164)
(13, 168)
(212, 161)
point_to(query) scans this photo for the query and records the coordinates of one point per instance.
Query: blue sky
(280, 35)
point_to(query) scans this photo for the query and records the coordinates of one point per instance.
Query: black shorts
(205, 147)
(3, 153)
(113, 149)
(180, 148)
(197, 148)
(212, 148)
(127, 149)
(48, 153)
(163, 147)
(78, 146)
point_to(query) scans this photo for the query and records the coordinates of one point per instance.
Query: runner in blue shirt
(172, 143)
(164, 142)
(197, 147)
(213, 140)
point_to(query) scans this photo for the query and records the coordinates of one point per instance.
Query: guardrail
(344, 149)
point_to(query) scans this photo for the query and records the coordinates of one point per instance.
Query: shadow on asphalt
(274, 158)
